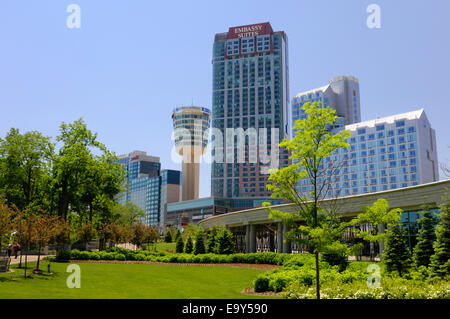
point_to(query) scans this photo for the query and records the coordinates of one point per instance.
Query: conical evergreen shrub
(440, 261)
(396, 254)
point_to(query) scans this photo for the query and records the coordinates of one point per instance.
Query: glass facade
(145, 185)
(249, 91)
(383, 154)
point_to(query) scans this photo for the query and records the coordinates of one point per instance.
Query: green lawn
(103, 280)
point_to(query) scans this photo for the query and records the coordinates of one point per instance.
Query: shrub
(179, 245)
(396, 254)
(336, 255)
(168, 237)
(63, 255)
(440, 260)
(188, 246)
(261, 284)
(224, 241)
(199, 247)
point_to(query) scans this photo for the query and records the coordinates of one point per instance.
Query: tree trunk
(39, 257)
(63, 201)
(26, 262)
(317, 276)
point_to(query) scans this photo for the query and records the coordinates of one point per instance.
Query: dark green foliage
(168, 237)
(199, 247)
(180, 245)
(63, 255)
(189, 246)
(336, 255)
(425, 240)
(261, 284)
(211, 241)
(396, 253)
(224, 241)
(177, 235)
(440, 261)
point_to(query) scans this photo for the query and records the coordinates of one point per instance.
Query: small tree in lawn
(425, 239)
(151, 236)
(6, 216)
(45, 229)
(24, 235)
(211, 241)
(168, 236)
(86, 233)
(189, 246)
(179, 245)
(313, 151)
(377, 215)
(397, 256)
(440, 261)
(137, 234)
(199, 247)
(118, 234)
(224, 241)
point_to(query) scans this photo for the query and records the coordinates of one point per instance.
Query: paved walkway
(30, 258)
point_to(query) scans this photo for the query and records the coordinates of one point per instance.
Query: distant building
(250, 91)
(341, 94)
(192, 211)
(147, 186)
(191, 125)
(386, 153)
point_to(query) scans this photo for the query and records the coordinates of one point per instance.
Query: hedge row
(141, 255)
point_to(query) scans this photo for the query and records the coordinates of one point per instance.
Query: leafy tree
(82, 180)
(127, 214)
(151, 235)
(6, 216)
(425, 239)
(86, 233)
(224, 241)
(179, 245)
(199, 247)
(440, 260)
(211, 241)
(168, 236)
(397, 256)
(311, 146)
(137, 234)
(25, 162)
(24, 235)
(188, 246)
(118, 234)
(44, 229)
(377, 215)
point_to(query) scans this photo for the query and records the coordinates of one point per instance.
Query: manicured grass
(166, 247)
(103, 280)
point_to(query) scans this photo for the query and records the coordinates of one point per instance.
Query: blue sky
(132, 62)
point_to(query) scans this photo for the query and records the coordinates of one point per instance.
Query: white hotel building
(386, 153)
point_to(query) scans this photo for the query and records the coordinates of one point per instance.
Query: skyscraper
(341, 94)
(250, 92)
(147, 186)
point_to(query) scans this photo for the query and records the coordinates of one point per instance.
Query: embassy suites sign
(251, 30)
